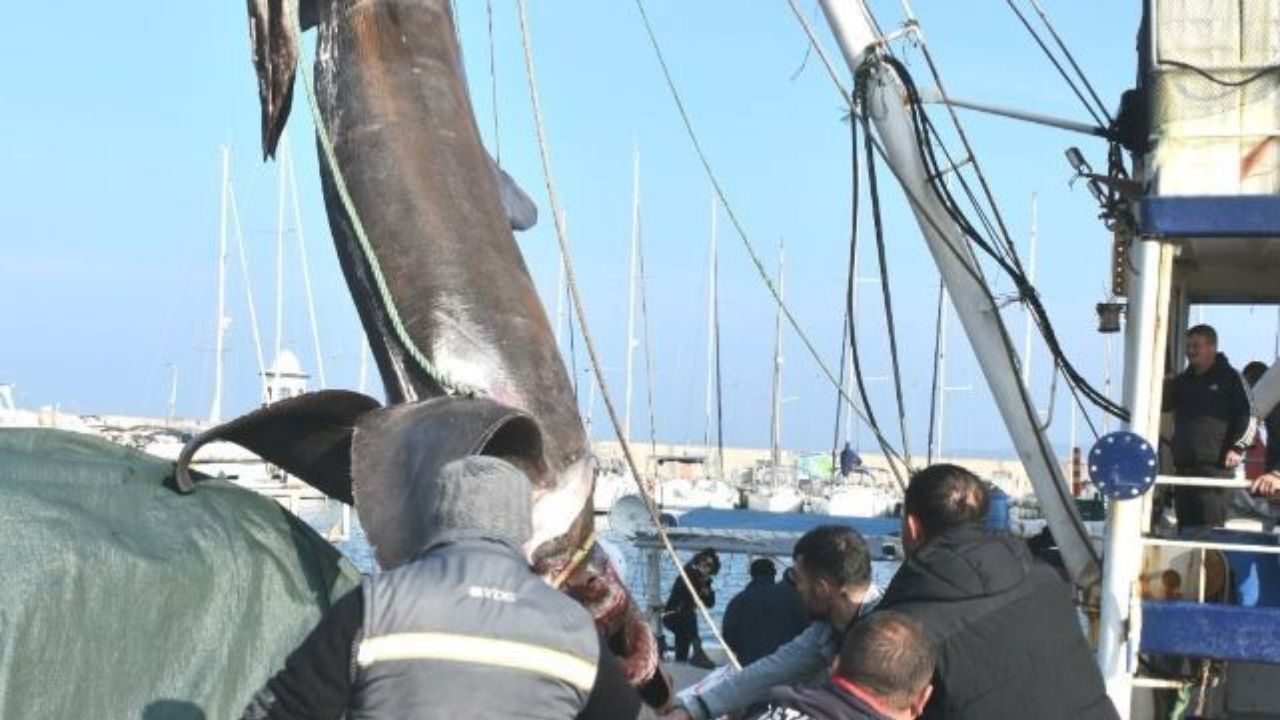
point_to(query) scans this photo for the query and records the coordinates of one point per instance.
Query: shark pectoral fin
(309, 436)
(273, 33)
(521, 211)
(398, 451)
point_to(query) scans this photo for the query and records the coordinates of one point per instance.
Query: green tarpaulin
(122, 599)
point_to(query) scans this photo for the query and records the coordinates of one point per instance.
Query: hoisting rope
(756, 261)
(588, 341)
(438, 375)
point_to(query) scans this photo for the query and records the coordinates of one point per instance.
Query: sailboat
(773, 487)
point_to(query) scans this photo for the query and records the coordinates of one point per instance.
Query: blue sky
(110, 148)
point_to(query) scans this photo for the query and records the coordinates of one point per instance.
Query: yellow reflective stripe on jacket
(480, 651)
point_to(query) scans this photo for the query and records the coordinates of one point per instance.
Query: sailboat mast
(220, 328)
(1026, 309)
(173, 395)
(775, 436)
(284, 149)
(631, 290)
(711, 328)
(941, 360)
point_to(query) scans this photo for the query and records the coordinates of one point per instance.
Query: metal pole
(711, 326)
(1026, 310)
(284, 149)
(220, 327)
(173, 395)
(306, 271)
(631, 293)
(1146, 335)
(775, 431)
(854, 28)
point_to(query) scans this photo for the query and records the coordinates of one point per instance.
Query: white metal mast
(220, 329)
(173, 395)
(248, 290)
(1026, 309)
(855, 30)
(362, 379)
(306, 268)
(280, 250)
(775, 431)
(942, 378)
(711, 326)
(631, 292)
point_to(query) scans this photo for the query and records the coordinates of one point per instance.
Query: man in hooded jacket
(464, 629)
(1213, 426)
(1002, 623)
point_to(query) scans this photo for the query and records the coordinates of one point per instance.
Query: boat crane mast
(852, 24)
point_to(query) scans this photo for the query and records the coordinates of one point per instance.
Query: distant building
(285, 378)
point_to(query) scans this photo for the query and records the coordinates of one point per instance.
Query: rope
(1054, 59)
(580, 311)
(1044, 17)
(885, 293)
(438, 375)
(851, 287)
(738, 227)
(847, 98)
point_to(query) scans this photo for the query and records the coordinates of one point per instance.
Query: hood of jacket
(962, 563)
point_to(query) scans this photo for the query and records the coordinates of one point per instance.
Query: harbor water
(734, 571)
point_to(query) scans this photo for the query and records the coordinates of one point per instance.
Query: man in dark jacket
(1212, 427)
(1002, 623)
(465, 629)
(883, 673)
(681, 616)
(762, 617)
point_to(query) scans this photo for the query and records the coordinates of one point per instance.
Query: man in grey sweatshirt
(833, 577)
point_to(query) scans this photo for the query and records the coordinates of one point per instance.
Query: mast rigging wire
(1044, 18)
(580, 311)
(733, 217)
(1056, 64)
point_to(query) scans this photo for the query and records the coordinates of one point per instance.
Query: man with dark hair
(1002, 623)
(758, 620)
(1212, 427)
(833, 577)
(464, 629)
(884, 672)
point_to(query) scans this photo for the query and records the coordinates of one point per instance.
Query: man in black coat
(762, 617)
(681, 614)
(883, 672)
(1213, 426)
(1002, 623)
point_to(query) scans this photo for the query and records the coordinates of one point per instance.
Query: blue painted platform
(759, 520)
(1219, 632)
(1209, 216)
